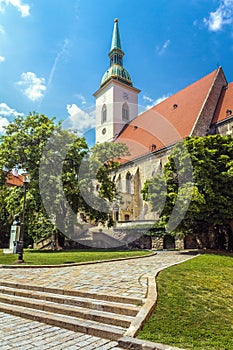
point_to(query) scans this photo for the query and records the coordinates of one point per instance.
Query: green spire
(116, 69)
(116, 54)
(116, 41)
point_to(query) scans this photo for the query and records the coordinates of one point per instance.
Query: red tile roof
(169, 121)
(13, 180)
(225, 103)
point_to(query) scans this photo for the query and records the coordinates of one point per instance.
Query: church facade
(202, 108)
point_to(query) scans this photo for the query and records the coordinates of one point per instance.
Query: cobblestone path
(124, 278)
(121, 278)
(17, 333)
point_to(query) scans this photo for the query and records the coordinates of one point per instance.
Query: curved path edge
(128, 341)
(138, 344)
(21, 266)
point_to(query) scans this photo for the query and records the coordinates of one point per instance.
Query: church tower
(116, 99)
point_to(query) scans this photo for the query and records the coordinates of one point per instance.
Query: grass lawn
(36, 257)
(195, 305)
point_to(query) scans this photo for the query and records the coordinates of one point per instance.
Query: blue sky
(53, 53)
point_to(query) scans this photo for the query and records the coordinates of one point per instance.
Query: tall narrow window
(125, 112)
(119, 184)
(128, 182)
(104, 114)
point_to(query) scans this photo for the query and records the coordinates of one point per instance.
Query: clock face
(125, 95)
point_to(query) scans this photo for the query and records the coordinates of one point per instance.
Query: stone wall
(45, 243)
(225, 128)
(179, 243)
(131, 205)
(157, 243)
(133, 238)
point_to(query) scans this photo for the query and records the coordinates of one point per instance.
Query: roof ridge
(176, 117)
(218, 72)
(187, 86)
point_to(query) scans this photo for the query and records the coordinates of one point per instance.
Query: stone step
(69, 310)
(68, 322)
(75, 293)
(93, 304)
(105, 316)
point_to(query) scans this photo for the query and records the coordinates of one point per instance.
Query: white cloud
(62, 51)
(79, 119)
(223, 15)
(3, 122)
(2, 30)
(7, 111)
(32, 86)
(24, 9)
(161, 99)
(152, 102)
(161, 50)
(81, 99)
(147, 98)
(2, 2)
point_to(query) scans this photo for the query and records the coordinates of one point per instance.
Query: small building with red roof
(14, 179)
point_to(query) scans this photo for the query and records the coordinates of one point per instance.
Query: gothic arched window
(119, 184)
(125, 112)
(104, 114)
(128, 183)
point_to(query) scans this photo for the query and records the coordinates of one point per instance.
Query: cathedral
(202, 108)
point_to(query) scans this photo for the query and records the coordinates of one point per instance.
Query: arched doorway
(126, 217)
(169, 242)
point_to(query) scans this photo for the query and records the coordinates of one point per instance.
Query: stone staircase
(99, 315)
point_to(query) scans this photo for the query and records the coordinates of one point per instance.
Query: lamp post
(26, 180)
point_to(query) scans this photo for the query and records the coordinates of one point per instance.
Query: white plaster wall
(105, 97)
(114, 96)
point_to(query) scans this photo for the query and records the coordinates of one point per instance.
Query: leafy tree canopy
(54, 158)
(205, 185)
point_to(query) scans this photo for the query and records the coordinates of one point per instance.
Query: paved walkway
(20, 334)
(122, 278)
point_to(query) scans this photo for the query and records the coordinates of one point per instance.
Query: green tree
(208, 194)
(75, 180)
(5, 218)
(21, 146)
(54, 158)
